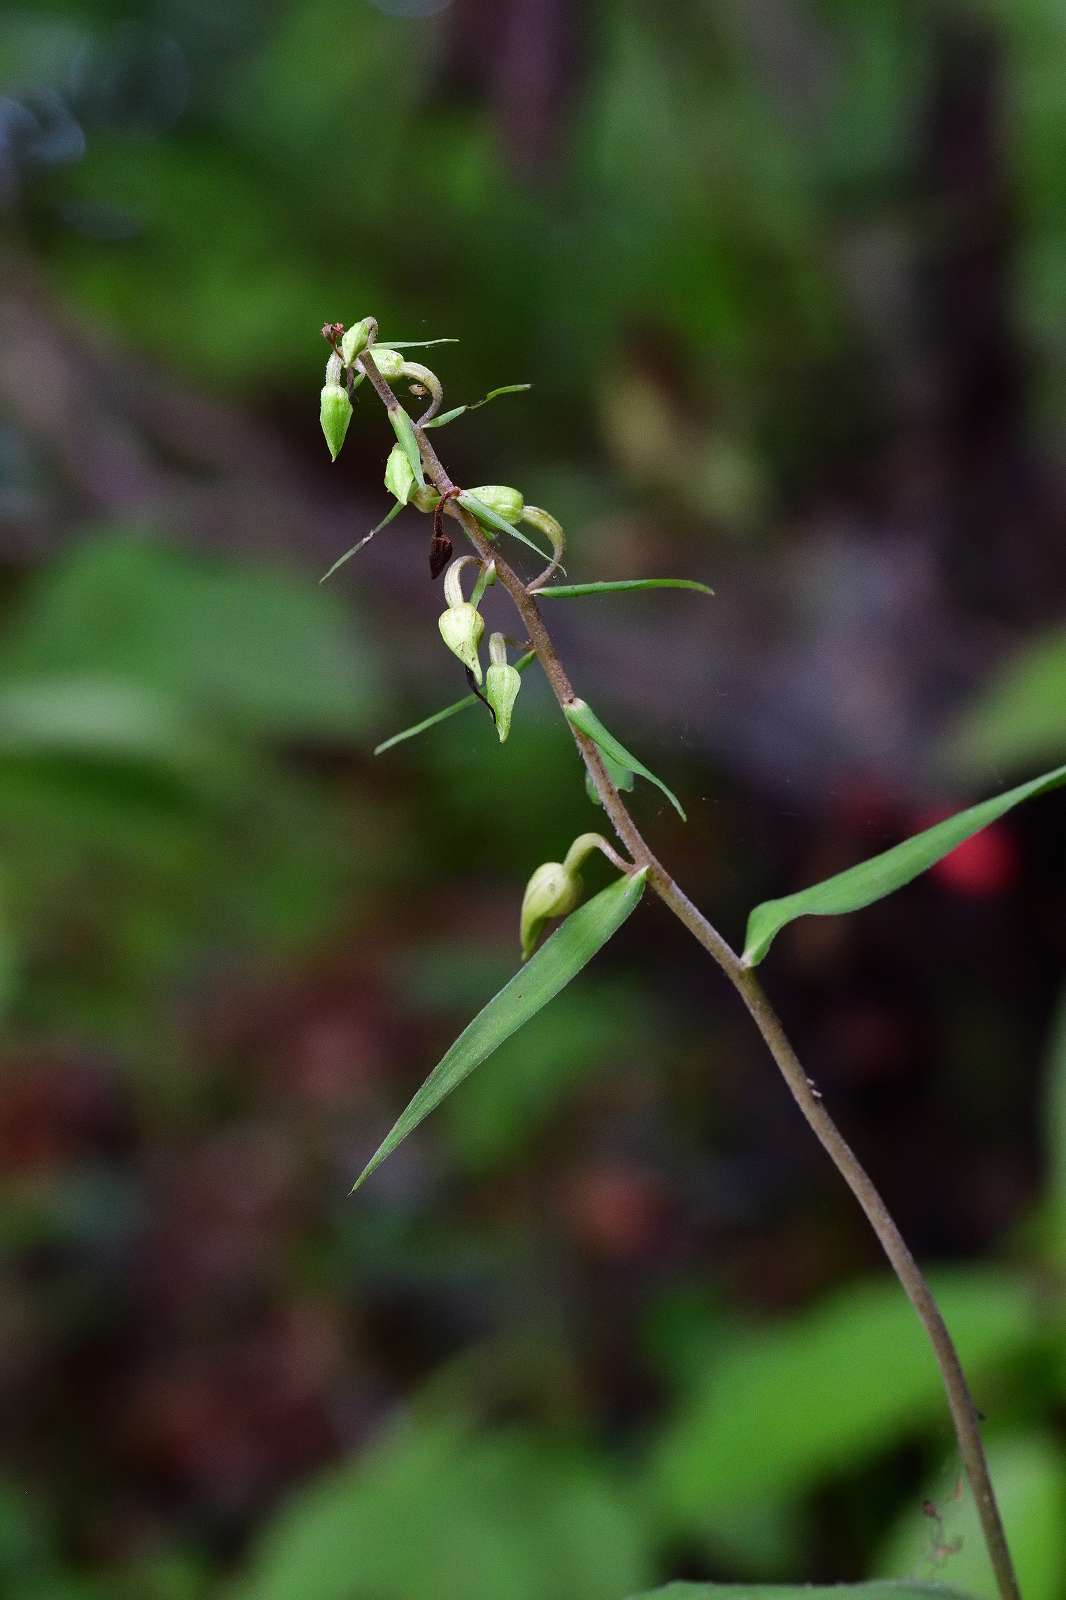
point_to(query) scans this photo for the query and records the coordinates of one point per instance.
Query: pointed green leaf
(881, 875)
(404, 429)
(581, 714)
(492, 519)
(574, 591)
(354, 551)
(450, 416)
(559, 960)
(449, 711)
(410, 344)
(901, 1589)
(620, 776)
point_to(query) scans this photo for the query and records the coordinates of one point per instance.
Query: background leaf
(553, 966)
(894, 1589)
(883, 874)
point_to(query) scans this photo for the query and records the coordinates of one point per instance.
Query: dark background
(788, 279)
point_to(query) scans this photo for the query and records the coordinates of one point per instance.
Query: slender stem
(806, 1095)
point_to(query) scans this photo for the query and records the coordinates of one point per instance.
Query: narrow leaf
(410, 344)
(620, 776)
(573, 591)
(492, 519)
(553, 966)
(896, 1589)
(354, 551)
(450, 416)
(581, 714)
(404, 429)
(881, 875)
(442, 716)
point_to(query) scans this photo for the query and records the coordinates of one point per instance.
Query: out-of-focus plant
(486, 516)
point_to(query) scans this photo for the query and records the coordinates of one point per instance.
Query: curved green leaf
(620, 776)
(895, 1589)
(457, 411)
(492, 519)
(574, 591)
(560, 959)
(581, 714)
(449, 711)
(354, 551)
(872, 880)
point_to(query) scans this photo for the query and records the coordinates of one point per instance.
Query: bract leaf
(549, 970)
(404, 429)
(574, 591)
(882, 874)
(581, 714)
(450, 416)
(354, 551)
(449, 711)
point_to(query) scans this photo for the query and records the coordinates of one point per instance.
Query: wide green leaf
(493, 394)
(574, 591)
(896, 1589)
(559, 960)
(449, 711)
(581, 714)
(881, 875)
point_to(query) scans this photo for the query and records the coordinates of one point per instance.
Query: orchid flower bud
(335, 408)
(502, 683)
(399, 478)
(506, 502)
(552, 891)
(389, 363)
(462, 625)
(354, 341)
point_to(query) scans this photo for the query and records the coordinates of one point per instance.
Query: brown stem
(744, 980)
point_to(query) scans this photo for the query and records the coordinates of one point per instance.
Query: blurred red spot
(980, 867)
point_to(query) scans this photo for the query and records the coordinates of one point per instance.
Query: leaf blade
(473, 405)
(404, 429)
(449, 711)
(573, 591)
(492, 519)
(354, 551)
(581, 714)
(882, 874)
(549, 970)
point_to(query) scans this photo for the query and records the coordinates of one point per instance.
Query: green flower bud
(552, 891)
(399, 478)
(426, 499)
(507, 503)
(502, 683)
(390, 363)
(335, 413)
(461, 627)
(354, 341)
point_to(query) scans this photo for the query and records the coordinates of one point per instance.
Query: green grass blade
(354, 551)
(404, 429)
(449, 711)
(573, 591)
(882, 874)
(895, 1589)
(581, 714)
(450, 416)
(559, 960)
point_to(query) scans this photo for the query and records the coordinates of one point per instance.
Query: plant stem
(744, 980)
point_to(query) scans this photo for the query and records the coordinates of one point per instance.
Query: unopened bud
(354, 341)
(461, 627)
(552, 891)
(426, 499)
(389, 363)
(506, 502)
(399, 478)
(334, 413)
(502, 683)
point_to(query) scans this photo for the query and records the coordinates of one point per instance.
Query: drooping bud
(461, 628)
(389, 363)
(354, 341)
(335, 408)
(399, 479)
(506, 502)
(552, 891)
(502, 683)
